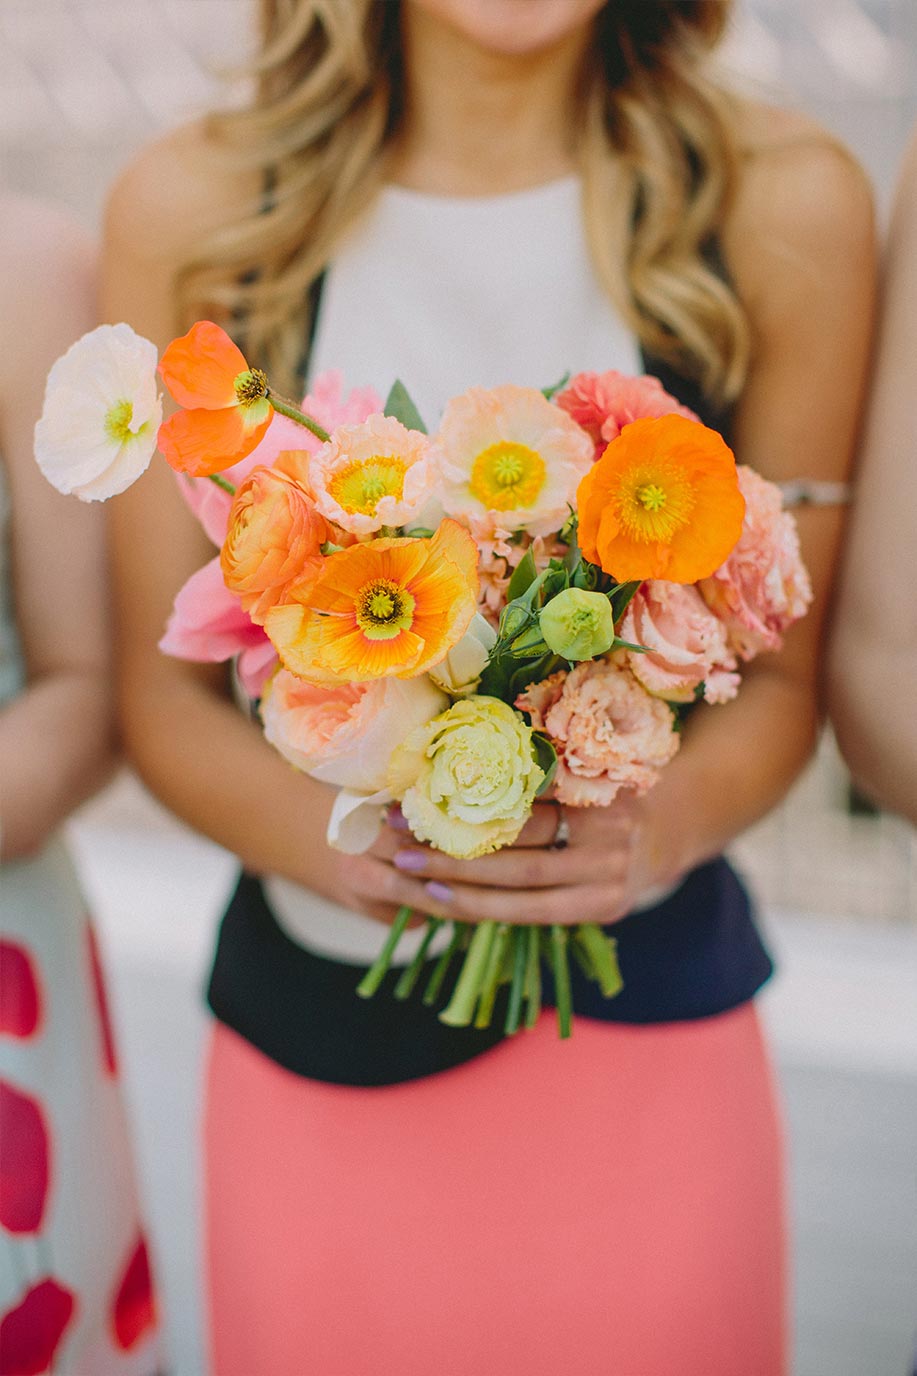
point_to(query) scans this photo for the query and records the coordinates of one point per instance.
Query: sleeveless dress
(389, 1196)
(76, 1293)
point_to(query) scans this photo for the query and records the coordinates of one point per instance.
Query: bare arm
(56, 737)
(873, 655)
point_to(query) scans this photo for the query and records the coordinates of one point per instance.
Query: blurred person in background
(873, 654)
(75, 1286)
(463, 192)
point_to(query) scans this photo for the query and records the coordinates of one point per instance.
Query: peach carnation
(687, 644)
(609, 732)
(274, 540)
(763, 586)
(603, 403)
(509, 451)
(372, 475)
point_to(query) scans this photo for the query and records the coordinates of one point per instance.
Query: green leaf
(551, 392)
(524, 574)
(621, 597)
(546, 756)
(399, 405)
(628, 645)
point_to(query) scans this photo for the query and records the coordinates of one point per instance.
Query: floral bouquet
(522, 604)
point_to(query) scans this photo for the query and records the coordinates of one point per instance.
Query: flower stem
(460, 1009)
(222, 482)
(379, 969)
(532, 976)
(411, 973)
(561, 965)
(602, 951)
(492, 974)
(517, 983)
(435, 982)
(293, 412)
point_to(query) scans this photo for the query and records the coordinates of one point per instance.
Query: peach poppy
(227, 411)
(663, 501)
(387, 607)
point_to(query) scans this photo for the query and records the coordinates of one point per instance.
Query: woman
(479, 191)
(873, 656)
(75, 1288)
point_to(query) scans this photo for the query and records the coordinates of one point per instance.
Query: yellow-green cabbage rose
(577, 624)
(466, 780)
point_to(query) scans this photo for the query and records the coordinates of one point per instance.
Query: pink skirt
(611, 1206)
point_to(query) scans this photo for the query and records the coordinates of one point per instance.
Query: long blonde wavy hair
(657, 161)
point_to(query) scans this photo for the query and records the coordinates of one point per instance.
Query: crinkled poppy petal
(201, 442)
(20, 1000)
(201, 367)
(134, 1306)
(109, 1060)
(24, 1161)
(31, 1334)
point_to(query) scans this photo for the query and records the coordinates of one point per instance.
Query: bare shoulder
(803, 208)
(176, 191)
(44, 249)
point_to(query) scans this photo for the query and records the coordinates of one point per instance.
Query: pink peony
(609, 732)
(208, 626)
(326, 403)
(603, 403)
(687, 644)
(763, 587)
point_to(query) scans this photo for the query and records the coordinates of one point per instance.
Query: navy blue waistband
(696, 954)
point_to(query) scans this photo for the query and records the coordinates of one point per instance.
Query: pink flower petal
(208, 624)
(31, 1334)
(24, 1162)
(20, 1002)
(134, 1306)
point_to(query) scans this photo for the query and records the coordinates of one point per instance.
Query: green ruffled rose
(577, 624)
(467, 779)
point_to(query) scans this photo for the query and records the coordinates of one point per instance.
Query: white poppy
(460, 672)
(101, 415)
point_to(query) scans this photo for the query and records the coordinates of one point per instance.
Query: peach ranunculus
(344, 734)
(686, 644)
(326, 402)
(663, 501)
(763, 586)
(227, 411)
(603, 403)
(386, 607)
(609, 733)
(372, 475)
(274, 540)
(509, 451)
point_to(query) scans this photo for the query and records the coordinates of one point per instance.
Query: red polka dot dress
(76, 1293)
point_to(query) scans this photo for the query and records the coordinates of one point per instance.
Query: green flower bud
(578, 624)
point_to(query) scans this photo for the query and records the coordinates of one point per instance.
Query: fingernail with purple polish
(396, 819)
(410, 860)
(441, 893)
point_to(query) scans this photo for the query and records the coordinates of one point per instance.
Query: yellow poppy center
(359, 486)
(118, 422)
(654, 503)
(250, 387)
(507, 476)
(384, 609)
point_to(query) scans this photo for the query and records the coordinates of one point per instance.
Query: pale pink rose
(374, 474)
(345, 733)
(687, 644)
(208, 626)
(603, 403)
(609, 732)
(763, 586)
(509, 451)
(326, 403)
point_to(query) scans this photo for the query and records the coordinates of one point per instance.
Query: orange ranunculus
(273, 541)
(226, 407)
(663, 501)
(380, 609)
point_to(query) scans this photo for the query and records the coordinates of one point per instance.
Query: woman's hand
(598, 877)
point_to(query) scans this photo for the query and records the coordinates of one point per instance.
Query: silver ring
(561, 838)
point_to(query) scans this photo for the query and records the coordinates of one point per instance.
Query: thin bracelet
(814, 492)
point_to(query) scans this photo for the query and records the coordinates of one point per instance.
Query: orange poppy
(663, 501)
(226, 403)
(391, 607)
